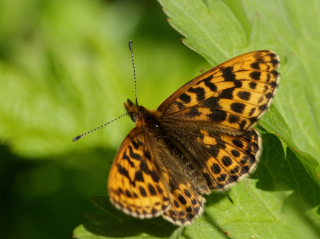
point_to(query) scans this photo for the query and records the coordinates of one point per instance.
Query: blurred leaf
(72, 72)
(176, 233)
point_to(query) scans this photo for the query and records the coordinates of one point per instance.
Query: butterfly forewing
(134, 180)
(233, 95)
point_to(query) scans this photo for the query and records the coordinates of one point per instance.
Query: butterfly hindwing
(231, 96)
(134, 179)
(223, 158)
(229, 158)
(186, 204)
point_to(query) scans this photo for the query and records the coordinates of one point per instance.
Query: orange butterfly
(199, 139)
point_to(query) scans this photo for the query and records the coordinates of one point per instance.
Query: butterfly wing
(143, 185)
(231, 96)
(186, 204)
(185, 200)
(134, 180)
(223, 158)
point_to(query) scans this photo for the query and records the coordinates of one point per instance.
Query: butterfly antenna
(89, 132)
(134, 70)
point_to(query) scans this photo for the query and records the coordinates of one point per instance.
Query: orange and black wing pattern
(223, 158)
(186, 204)
(231, 96)
(134, 180)
(139, 187)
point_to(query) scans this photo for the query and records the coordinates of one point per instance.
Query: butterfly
(199, 140)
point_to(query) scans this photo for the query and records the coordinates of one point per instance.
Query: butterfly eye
(134, 116)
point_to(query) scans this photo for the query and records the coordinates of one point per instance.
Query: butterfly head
(134, 110)
(141, 116)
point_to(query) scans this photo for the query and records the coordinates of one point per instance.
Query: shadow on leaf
(282, 170)
(114, 223)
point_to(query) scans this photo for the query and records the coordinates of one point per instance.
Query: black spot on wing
(187, 192)
(238, 143)
(227, 161)
(263, 107)
(155, 176)
(216, 168)
(199, 91)
(142, 191)
(133, 154)
(218, 115)
(180, 105)
(144, 167)
(182, 199)
(252, 111)
(152, 190)
(127, 158)
(255, 75)
(273, 84)
(185, 98)
(255, 65)
(209, 84)
(227, 93)
(147, 154)
(274, 61)
(228, 74)
(253, 85)
(253, 119)
(135, 144)
(275, 73)
(245, 95)
(237, 107)
(269, 95)
(214, 150)
(243, 124)
(222, 177)
(193, 112)
(235, 153)
(123, 171)
(233, 118)
(212, 102)
(139, 176)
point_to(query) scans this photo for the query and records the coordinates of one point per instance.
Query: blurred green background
(65, 68)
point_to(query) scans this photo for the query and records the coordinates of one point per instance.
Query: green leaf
(176, 233)
(274, 123)
(219, 30)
